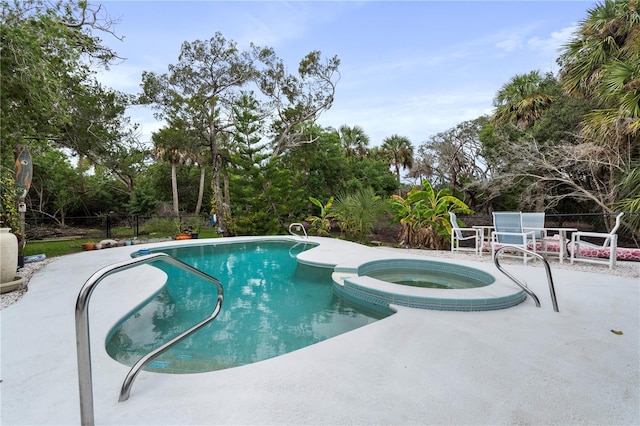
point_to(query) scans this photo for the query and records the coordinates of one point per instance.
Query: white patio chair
(458, 235)
(609, 245)
(508, 231)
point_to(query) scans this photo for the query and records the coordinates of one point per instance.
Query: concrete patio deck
(523, 365)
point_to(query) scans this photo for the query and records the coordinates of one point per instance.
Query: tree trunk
(227, 195)
(200, 190)
(217, 196)
(174, 189)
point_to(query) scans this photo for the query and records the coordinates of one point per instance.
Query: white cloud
(511, 44)
(417, 116)
(554, 42)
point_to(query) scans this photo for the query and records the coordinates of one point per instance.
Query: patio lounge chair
(458, 235)
(585, 251)
(508, 231)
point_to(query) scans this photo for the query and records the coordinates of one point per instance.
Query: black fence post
(137, 225)
(108, 226)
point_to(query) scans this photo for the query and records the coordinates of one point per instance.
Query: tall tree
(99, 131)
(201, 89)
(523, 99)
(522, 102)
(296, 101)
(250, 160)
(354, 140)
(209, 79)
(454, 159)
(602, 61)
(170, 145)
(399, 151)
(47, 48)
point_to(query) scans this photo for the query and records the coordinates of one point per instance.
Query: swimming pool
(273, 305)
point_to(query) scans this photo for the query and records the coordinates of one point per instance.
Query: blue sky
(412, 68)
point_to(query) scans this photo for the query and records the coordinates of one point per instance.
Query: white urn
(8, 255)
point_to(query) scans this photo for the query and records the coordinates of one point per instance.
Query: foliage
(358, 212)
(629, 190)
(602, 61)
(171, 144)
(57, 187)
(199, 91)
(453, 159)
(207, 90)
(143, 202)
(354, 140)
(295, 99)
(399, 152)
(424, 216)
(368, 172)
(523, 100)
(99, 132)
(159, 225)
(8, 201)
(322, 224)
(47, 51)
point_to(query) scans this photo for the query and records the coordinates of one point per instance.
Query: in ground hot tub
(426, 284)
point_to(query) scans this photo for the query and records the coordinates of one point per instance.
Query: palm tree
(359, 212)
(522, 100)
(168, 143)
(399, 151)
(354, 140)
(602, 61)
(176, 145)
(629, 190)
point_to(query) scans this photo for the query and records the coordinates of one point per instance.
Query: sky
(408, 68)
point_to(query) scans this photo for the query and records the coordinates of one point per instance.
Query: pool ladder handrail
(298, 227)
(82, 328)
(524, 285)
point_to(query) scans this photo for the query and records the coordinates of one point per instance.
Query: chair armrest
(579, 234)
(543, 231)
(609, 239)
(475, 231)
(524, 236)
(531, 234)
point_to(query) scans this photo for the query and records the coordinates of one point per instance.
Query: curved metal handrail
(524, 286)
(82, 328)
(298, 227)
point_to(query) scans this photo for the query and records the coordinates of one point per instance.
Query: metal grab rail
(524, 286)
(298, 227)
(82, 328)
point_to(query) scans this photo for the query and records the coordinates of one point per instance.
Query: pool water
(272, 306)
(427, 279)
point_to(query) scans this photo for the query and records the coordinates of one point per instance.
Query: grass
(62, 247)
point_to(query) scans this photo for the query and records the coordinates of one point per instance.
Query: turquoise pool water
(272, 306)
(415, 277)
